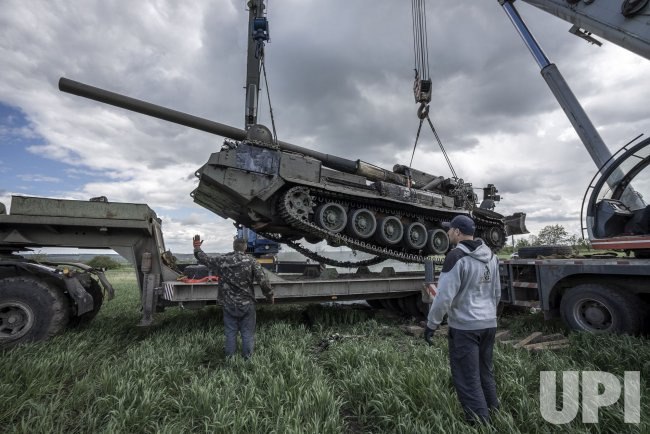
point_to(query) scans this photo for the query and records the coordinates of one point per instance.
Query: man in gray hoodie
(468, 292)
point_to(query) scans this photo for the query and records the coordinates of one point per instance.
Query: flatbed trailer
(299, 288)
(73, 291)
(39, 300)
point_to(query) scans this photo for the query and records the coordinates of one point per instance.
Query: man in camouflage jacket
(237, 273)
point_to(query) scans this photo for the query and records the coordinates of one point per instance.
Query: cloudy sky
(340, 78)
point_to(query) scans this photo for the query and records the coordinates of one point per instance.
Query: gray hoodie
(469, 288)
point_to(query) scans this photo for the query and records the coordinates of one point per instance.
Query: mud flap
(83, 300)
(108, 288)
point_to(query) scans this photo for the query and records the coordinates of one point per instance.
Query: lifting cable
(422, 84)
(268, 95)
(420, 47)
(442, 148)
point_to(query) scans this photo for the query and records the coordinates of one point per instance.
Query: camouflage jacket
(237, 273)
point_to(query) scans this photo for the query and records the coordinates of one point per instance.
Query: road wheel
(437, 242)
(601, 309)
(331, 216)
(533, 252)
(30, 310)
(361, 223)
(98, 298)
(389, 230)
(494, 236)
(415, 236)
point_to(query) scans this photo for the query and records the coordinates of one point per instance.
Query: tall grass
(112, 376)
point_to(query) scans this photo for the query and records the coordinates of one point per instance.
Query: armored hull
(290, 195)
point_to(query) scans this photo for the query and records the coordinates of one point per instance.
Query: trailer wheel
(407, 305)
(423, 307)
(411, 304)
(390, 304)
(98, 298)
(600, 309)
(30, 310)
(533, 252)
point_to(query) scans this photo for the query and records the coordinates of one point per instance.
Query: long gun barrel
(149, 109)
(174, 116)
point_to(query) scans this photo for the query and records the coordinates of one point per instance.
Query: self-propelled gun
(288, 192)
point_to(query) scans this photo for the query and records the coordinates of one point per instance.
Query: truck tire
(600, 309)
(30, 310)
(196, 271)
(414, 306)
(98, 299)
(533, 252)
(390, 304)
(407, 306)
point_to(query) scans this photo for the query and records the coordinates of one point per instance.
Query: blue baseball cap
(462, 223)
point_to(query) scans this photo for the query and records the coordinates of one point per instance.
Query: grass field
(172, 378)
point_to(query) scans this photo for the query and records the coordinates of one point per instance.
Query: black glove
(428, 335)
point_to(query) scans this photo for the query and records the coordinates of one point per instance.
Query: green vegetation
(550, 235)
(112, 376)
(104, 262)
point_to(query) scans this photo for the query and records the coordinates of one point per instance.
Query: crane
(621, 221)
(625, 23)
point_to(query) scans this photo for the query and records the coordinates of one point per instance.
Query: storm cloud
(340, 80)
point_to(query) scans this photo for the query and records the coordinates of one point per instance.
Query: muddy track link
(304, 225)
(322, 259)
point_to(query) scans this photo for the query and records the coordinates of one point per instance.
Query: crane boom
(624, 23)
(258, 35)
(631, 203)
(587, 132)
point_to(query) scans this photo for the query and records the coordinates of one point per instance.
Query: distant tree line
(550, 235)
(103, 262)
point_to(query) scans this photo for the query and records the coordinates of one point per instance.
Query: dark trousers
(239, 319)
(470, 358)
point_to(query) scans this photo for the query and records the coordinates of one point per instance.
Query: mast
(258, 34)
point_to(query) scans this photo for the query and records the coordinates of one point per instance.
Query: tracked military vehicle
(287, 192)
(299, 193)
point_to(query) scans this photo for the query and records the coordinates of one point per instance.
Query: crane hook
(423, 111)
